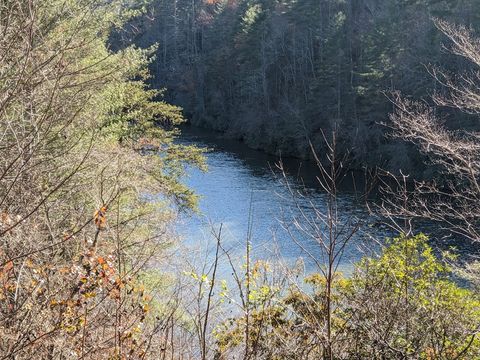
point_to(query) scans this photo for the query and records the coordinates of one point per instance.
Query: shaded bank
(277, 74)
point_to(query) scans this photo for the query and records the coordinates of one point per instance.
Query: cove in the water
(242, 183)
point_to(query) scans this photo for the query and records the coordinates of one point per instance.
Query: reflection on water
(241, 181)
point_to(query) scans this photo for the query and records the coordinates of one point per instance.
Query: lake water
(243, 184)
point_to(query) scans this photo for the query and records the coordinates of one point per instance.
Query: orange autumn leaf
(64, 270)
(8, 266)
(100, 218)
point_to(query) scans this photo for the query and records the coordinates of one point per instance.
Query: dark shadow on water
(303, 172)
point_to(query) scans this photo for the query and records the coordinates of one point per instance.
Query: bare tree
(453, 199)
(331, 231)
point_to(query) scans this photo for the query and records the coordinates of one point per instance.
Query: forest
(95, 98)
(276, 73)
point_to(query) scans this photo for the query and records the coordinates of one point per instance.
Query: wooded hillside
(276, 73)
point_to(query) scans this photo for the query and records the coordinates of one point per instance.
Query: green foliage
(405, 262)
(251, 16)
(401, 304)
(409, 301)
